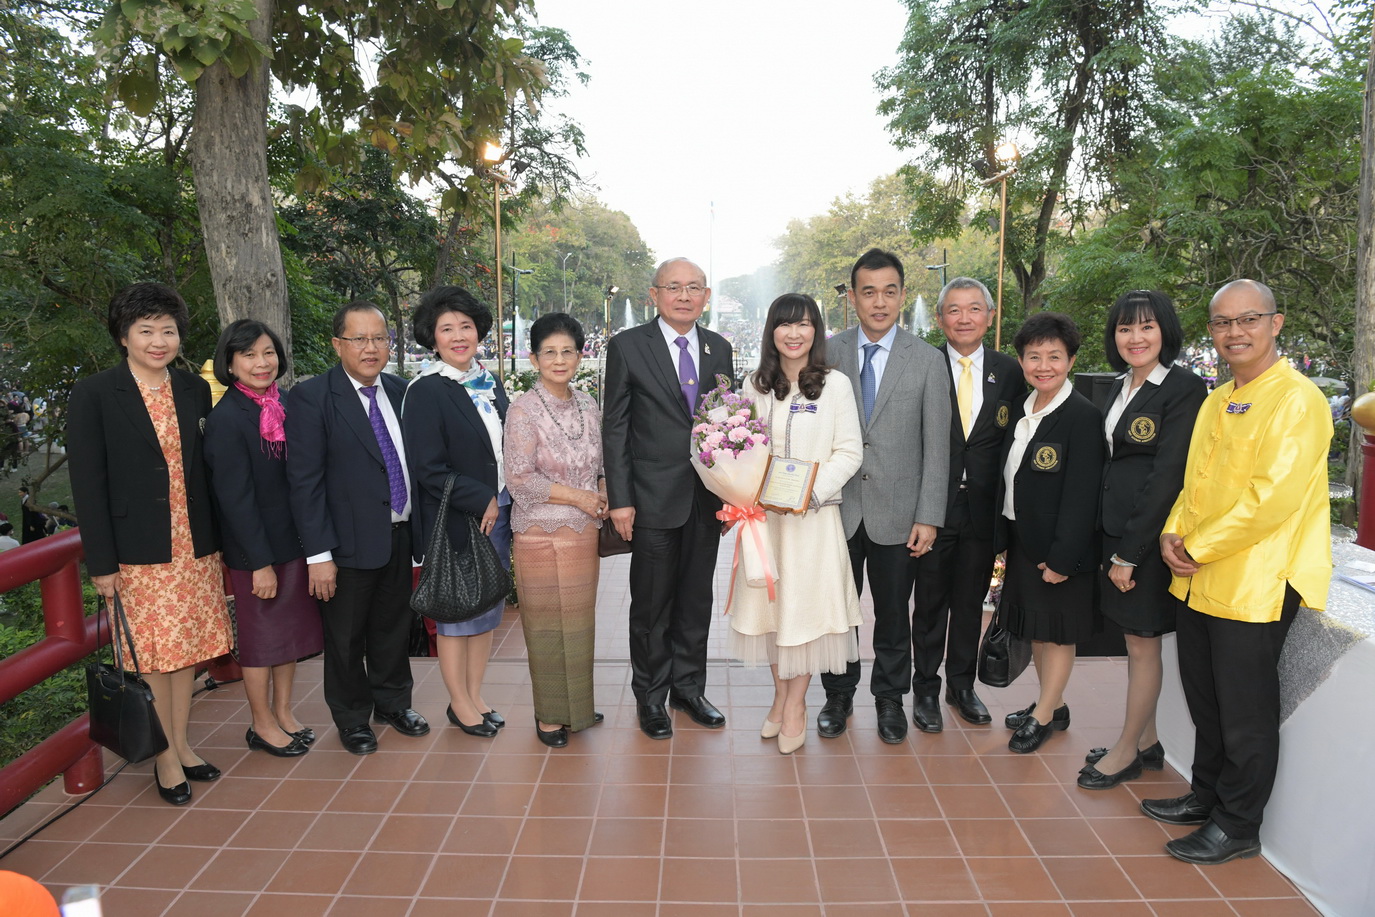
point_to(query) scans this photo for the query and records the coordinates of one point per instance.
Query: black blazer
(1146, 471)
(978, 460)
(1055, 492)
(340, 494)
(444, 434)
(252, 499)
(119, 475)
(647, 428)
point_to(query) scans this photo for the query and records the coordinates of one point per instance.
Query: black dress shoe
(654, 721)
(483, 729)
(926, 715)
(1152, 758)
(830, 722)
(598, 718)
(556, 738)
(496, 719)
(204, 772)
(968, 704)
(1029, 736)
(293, 749)
(1181, 810)
(1091, 778)
(178, 795)
(358, 740)
(1058, 720)
(305, 734)
(892, 723)
(700, 709)
(1210, 844)
(407, 722)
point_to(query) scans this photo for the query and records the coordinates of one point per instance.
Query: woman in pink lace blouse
(553, 464)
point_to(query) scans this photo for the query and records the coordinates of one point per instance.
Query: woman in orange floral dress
(143, 501)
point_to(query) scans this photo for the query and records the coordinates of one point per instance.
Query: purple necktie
(395, 477)
(687, 374)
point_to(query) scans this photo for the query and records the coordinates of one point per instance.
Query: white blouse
(1021, 438)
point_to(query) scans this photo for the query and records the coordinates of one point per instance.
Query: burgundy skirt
(277, 630)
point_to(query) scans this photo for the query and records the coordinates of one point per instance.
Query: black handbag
(458, 586)
(609, 541)
(123, 718)
(1002, 656)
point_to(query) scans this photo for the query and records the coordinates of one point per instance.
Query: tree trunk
(1363, 359)
(233, 195)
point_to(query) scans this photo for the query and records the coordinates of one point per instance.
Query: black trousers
(1230, 673)
(671, 573)
(367, 636)
(951, 582)
(890, 568)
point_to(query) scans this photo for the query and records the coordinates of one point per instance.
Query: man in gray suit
(894, 504)
(656, 374)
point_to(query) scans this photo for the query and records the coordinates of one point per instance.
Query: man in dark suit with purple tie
(953, 577)
(351, 499)
(656, 374)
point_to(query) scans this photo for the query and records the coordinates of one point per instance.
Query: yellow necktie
(964, 394)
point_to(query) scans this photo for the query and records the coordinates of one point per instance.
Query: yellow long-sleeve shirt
(1254, 509)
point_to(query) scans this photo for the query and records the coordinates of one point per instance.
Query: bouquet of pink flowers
(730, 453)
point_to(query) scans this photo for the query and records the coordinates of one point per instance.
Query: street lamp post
(492, 154)
(611, 291)
(566, 256)
(515, 308)
(1007, 155)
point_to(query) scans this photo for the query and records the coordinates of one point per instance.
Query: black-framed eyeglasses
(1242, 321)
(380, 341)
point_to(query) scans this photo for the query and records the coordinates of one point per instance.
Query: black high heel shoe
(483, 729)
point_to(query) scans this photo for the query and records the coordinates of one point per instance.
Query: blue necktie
(866, 380)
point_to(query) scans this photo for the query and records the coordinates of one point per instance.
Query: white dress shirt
(671, 337)
(976, 366)
(880, 360)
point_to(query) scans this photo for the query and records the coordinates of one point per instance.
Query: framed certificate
(787, 486)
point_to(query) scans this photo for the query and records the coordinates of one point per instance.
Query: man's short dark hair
(448, 299)
(145, 300)
(342, 316)
(1143, 306)
(876, 259)
(1048, 326)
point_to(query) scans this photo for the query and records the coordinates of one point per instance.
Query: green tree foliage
(1068, 81)
(816, 254)
(1261, 182)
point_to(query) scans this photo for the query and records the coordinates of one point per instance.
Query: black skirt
(1147, 609)
(1031, 608)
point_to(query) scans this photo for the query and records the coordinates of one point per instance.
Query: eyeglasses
(361, 342)
(1243, 322)
(673, 289)
(558, 354)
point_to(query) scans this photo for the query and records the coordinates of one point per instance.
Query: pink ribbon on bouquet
(747, 515)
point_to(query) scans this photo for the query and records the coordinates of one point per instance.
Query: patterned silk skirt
(556, 578)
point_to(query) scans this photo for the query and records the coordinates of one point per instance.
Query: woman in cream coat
(810, 626)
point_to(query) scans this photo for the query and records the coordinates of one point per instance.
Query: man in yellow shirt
(1247, 541)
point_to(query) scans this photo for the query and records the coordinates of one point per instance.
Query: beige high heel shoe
(771, 729)
(788, 744)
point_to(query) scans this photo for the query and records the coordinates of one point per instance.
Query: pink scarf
(271, 419)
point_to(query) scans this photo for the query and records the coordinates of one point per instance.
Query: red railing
(55, 562)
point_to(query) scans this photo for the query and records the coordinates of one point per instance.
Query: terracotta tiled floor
(709, 823)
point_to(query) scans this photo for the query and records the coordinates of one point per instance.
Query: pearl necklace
(582, 423)
(166, 377)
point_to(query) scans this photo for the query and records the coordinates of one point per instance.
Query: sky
(764, 108)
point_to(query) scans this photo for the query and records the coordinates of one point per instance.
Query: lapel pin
(706, 349)
(992, 379)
